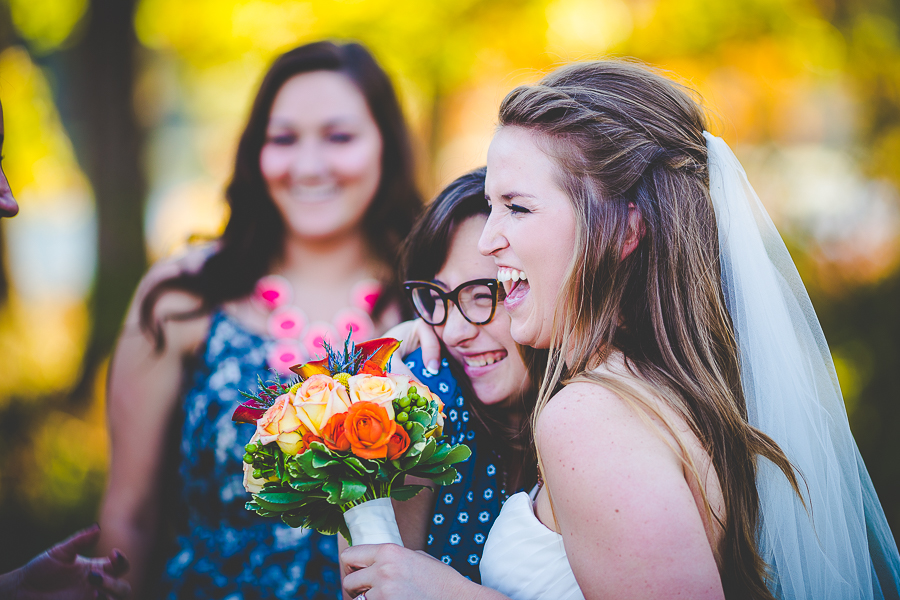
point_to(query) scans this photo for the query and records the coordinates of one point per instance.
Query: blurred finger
(80, 542)
(111, 587)
(118, 563)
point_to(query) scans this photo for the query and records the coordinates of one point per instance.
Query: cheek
(274, 162)
(358, 161)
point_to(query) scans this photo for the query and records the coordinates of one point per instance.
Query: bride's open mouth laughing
(515, 284)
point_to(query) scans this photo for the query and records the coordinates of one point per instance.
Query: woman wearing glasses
(483, 377)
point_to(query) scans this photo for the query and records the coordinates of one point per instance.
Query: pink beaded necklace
(296, 339)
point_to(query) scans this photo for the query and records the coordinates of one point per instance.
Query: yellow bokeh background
(807, 92)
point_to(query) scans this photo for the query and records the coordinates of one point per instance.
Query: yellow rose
(317, 400)
(279, 423)
(379, 390)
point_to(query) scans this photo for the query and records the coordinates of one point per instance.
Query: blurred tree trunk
(7, 39)
(97, 77)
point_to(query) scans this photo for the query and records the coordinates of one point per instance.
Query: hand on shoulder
(181, 335)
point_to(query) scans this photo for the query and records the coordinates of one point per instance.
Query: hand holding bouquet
(344, 435)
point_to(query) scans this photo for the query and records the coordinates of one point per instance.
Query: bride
(690, 431)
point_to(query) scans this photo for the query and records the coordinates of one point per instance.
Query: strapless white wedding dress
(525, 560)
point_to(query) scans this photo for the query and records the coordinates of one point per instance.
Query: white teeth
(505, 274)
(313, 192)
(483, 360)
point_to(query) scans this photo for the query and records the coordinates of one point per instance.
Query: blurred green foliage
(781, 77)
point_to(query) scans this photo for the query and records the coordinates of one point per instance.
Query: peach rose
(279, 424)
(369, 429)
(380, 390)
(398, 444)
(318, 399)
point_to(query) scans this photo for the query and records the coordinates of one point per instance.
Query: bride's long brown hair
(625, 137)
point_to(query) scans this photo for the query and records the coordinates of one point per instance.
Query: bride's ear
(635, 230)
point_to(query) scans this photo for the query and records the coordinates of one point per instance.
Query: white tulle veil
(839, 546)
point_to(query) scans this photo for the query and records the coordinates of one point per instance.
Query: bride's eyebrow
(514, 195)
(511, 196)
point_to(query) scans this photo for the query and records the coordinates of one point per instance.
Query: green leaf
(415, 449)
(458, 453)
(442, 451)
(428, 451)
(320, 462)
(421, 417)
(320, 447)
(358, 466)
(406, 492)
(445, 478)
(328, 522)
(295, 520)
(334, 491)
(279, 508)
(305, 461)
(416, 433)
(279, 466)
(305, 486)
(428, 470)
(280, 497)
(352, 490)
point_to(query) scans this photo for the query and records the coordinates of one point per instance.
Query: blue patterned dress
(464, 510)
(221, 549)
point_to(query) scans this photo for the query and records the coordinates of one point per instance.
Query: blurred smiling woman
(321, 197)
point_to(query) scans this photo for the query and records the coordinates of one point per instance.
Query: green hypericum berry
(251, 448)
(402, 417)
(412, 390)
(408, 426)
(420, 402)
(404, 401)
(257, 473)
(248, 458)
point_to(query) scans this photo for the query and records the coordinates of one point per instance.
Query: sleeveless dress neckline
(524, 559)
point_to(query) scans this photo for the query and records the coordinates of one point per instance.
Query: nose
(492, 238)
(309, 161)
(456, 330)
(8, 206)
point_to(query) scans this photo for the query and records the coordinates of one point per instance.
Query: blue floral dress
(465, 510)
(221, 549)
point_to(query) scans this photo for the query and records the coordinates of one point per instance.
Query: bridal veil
(839, 545)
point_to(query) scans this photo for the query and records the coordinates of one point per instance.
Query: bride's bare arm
(629, 522)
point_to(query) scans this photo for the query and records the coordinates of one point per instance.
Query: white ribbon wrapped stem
(373, 522)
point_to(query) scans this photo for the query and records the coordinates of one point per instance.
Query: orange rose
(333, 434)
(280, 423)
(318, 399)
(380, 390)
(398, 444)
(369, 429)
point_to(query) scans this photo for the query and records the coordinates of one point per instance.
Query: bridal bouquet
(332, 447)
